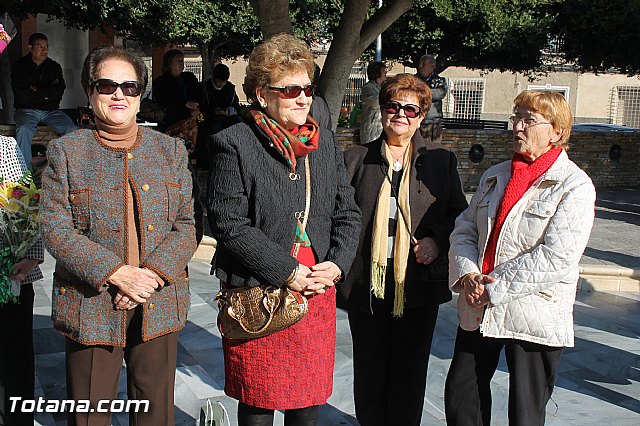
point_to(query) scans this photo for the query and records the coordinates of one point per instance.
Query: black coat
(46, 77)
(172, 94)
(251, 204)
(435, 199)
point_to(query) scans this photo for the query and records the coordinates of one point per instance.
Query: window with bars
(625, 106)
(465, 98)
(357, 79)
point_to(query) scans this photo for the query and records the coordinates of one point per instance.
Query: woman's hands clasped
(315, 280)
(474, 287)
(135, 286)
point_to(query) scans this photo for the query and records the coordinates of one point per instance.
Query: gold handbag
(252, 312)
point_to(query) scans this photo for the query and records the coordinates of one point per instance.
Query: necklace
(397, 161)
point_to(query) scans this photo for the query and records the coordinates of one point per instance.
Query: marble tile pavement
(598, 382)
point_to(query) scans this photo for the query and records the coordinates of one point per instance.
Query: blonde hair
(275, 58)
(552, 106)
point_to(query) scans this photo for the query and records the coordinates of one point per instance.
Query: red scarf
(523, 175)
(292, 145)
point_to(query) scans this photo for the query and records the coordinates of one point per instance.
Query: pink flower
(17, 193)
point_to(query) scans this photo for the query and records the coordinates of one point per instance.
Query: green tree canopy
(600, 35)
(486, 34)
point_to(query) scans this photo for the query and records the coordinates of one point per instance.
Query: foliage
(600, 35)
(227, 28)
(487, 34)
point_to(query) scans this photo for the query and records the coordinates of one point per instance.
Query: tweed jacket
(252, 202)
(537, 253)
(84, 225)
(12, 168)
(435, 200)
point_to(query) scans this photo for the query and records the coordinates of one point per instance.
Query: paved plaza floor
(598, 381)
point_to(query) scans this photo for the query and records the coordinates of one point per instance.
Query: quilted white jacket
(537, 254)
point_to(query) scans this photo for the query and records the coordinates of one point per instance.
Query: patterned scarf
(292, 145)
(301, 142)
(523, 176)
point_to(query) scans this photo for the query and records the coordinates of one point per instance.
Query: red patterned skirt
(292, 368)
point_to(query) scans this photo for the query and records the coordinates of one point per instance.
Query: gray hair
(430, 58)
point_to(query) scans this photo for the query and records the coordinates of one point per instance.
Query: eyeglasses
(294, 90)
(410, 110)
(105, 86)
(526, 121)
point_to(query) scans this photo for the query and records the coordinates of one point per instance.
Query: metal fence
(194, 66)
(353, 91)
(464, 99)
(625, 106)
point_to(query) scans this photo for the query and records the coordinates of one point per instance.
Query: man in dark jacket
(38, 86)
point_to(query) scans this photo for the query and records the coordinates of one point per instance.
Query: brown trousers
(93, 374)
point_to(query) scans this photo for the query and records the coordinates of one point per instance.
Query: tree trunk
(353, 35)
(273, 16)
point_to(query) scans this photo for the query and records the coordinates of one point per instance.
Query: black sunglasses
(410, 110)
(294, 90)
(105, 86)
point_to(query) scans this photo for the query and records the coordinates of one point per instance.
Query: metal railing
(464, 99)
(625, 106)
(353, 91)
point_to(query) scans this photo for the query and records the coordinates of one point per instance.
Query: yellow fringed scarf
(381, 231)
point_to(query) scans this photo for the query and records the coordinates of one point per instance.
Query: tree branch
(381, 20)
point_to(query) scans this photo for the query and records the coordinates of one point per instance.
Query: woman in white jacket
(514, 260)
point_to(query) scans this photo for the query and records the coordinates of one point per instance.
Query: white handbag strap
(307, 204)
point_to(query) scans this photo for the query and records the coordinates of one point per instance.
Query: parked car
(601, 127)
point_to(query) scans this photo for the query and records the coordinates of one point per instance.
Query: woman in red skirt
(256, 195)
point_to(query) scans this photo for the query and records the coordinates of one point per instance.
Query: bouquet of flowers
(4, 35)
(19, 217)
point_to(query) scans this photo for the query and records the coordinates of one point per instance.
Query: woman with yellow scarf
(409, 192)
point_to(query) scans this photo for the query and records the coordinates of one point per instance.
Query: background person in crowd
(176, 90)
(117, 215)
(409, 192)
(38, 86)
(431, 127)
(258, 187)
(220, 104)
(514, 260)
(371, 126)
(319, 107)
(220, 108)
(17, 370)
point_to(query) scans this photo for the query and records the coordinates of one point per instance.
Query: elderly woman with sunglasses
(409, 192)
(514, 260)
(117, 215)
(257, 190)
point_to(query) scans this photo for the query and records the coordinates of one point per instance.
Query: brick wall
(590, 150)
(43, 135)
